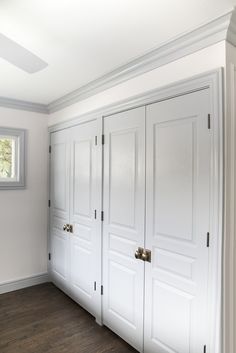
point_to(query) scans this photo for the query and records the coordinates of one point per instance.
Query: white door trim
(213, 81)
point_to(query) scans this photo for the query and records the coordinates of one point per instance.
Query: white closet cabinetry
(177, 224)
(75, 230)
(124, 224)
(59, 212)
(173, 314)
(155, 193)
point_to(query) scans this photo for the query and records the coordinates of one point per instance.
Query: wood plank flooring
(42, 319)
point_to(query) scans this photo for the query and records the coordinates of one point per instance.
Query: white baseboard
(23, 283)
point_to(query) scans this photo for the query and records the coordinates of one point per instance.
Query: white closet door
(123, 226)
(85, 239)
(59, 211)
(178, 191)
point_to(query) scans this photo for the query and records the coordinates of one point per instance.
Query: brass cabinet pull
(138, 253)
(146, 255)
(143, 254)
(65, 227)
(68, 228)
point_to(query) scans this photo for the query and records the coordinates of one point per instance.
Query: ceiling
(82, 40)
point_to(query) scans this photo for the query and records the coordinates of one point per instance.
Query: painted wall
(230, 203)
(194, 64)
(23, 213)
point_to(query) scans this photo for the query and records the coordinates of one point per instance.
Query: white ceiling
(83, 39)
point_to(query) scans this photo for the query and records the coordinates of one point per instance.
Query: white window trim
(19, 181)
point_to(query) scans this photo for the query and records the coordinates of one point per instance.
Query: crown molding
(231, 33)
(219, 29)
(23, 105)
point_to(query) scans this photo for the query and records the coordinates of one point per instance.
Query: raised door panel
(82, 177)
(178, 213)
(59, 211)
(174, 148)
(123, 226)
(85, 239)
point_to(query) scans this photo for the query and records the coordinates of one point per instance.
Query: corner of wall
(229, 271)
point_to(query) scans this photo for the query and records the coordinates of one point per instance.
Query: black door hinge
(103, 139)
(101, 290)
(50, 149)
(49, 203)
(204, 349)
(102, 216)
(49, 256)
(95, 286)
(95, 214)
(96, 140)
(209, 121)
(208, 240)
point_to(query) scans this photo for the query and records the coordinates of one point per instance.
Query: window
(12, 159)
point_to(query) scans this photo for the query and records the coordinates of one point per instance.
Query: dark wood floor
(41, 319)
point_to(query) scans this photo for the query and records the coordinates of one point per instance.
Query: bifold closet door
(85, 258)
(177, 223)
(123, 226)
(59, 211)
(75, 200)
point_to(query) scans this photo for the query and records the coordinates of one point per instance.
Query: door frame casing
(213, 81)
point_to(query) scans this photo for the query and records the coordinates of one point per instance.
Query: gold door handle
(143, 254)
(68, 228)
(138, 253)
(146, 255)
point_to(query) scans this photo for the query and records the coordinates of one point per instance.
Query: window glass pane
(7, 157)
(12, 158)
